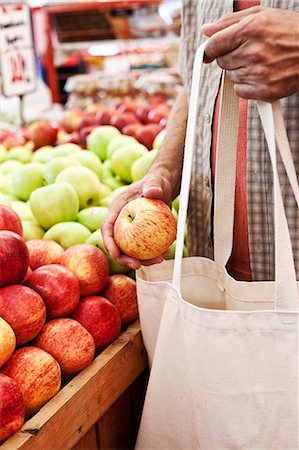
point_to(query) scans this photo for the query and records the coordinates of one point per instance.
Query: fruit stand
(99, 408)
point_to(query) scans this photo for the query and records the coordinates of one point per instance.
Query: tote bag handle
(285, 276)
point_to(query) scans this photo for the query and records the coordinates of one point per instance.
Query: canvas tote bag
(223, 353)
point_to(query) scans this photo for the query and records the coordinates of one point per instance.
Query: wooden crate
(98, 409)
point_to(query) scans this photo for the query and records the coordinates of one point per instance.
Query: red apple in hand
(89, 264)
(121, 291)
(14, 258)
(12, 409)
(9, 220)
(100, 318)
(69, 343)
(147, 133)
(24, 310)
(41, 133)
(37, 374)
(42, 252)
(145, 228)
(59, 288)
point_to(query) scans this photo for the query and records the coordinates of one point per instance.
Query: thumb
(152, 189)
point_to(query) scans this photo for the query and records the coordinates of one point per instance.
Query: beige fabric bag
(223, 353)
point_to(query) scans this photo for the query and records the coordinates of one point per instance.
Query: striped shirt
(259, 174)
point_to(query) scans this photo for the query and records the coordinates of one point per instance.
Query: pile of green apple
(62, 193)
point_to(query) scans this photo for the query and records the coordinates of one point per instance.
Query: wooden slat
(62, 422)
(89, 441)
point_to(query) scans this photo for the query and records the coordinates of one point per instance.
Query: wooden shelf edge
(67, 417)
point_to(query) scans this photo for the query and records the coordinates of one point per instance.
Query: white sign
(17, 58)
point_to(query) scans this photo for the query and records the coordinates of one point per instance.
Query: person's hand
(259, 48)
(152, 185)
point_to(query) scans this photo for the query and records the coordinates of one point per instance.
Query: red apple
(9, 220)
(158, 112)
(7, 341)
(89, 264)
(14, 258)
(59, 288)
(41, 133)
(147, 133)
(120, 120)
(129, 106)
(103, 117)
(145, 228)
(121, 291)
(12, 409)
(73, 138)
(142, 113)
(100, 318)
(24, 310)
(37, 374)
(93, 108)
(28, 273)
(72, 119)
(11, 141)
(83, 133)
(131, 129)
(42, 252)
(69, 343)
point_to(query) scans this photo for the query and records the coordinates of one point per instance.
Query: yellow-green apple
(14, 258)
(64, 150)
(89, 264)
(42, 154)
(37, 374)
(3, 153)
(31, 230)
(69, 343)
(145, 228)
(123, 159)
(12, 409)
(100, 317)
(93, 217)
(20, 153)
(7, 341)
(146, 134)
(85, 182)
(141, 165)
(176, 203)
(90, 160)
(10, 166)
(107, 171)
(159, 139)
(9, 220)
(43, 252)
(171, 253)
(118, 142)
(57, 165)
(107, 200)
(113, 182)
(7, 199)
(5, 184)
(59, 288)
(23, 210)
(105, 191)
(57, 202)
(121, 291)
(41, 133)
(96, 239)
(68, 234)
(26, 179)
(98, 140)
(24, 310)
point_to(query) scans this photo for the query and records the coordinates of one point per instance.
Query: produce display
(63, 298)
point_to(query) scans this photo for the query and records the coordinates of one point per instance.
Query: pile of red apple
(58, 310)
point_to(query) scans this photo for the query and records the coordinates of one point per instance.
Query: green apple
(176, 203)
(141, 166)
(98, 140)
(85, 182)
(172, 251)
(123, 159)
(26, 179)
(57, 202)
(23, 210)
(3, 153)
(107, 172)
(174, 213)
(107, 200)
(93, 217)
(159, 139)
(43, 154)
(68, 234)
(31, 230)
(5, 184)
(57, 165)
(64, 150)
(118, 142)
(7, 199)
(10, 166)
(105, 191)
(90, 160)
(113, 183)
(114, 267)
(20, 153)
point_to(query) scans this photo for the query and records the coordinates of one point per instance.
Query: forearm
(169, 159)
